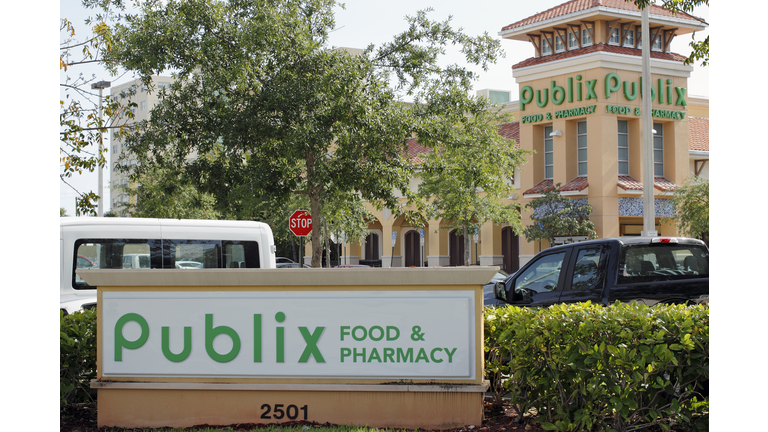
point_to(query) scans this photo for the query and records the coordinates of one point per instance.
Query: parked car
(292, 265)
(283, 260)
(650, 270)
(488, 297)
(189, 265)
(352, 266)
(84, 262)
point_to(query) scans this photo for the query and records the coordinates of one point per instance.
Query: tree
(700, 49)
(555, 215)
(285, 113)
(691, 202)
(163, 194)
(82, 127)
(467, 178)
(63, 212)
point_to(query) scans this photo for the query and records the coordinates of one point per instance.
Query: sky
(363, 22)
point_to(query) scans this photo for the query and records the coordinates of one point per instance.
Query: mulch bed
(82, 418)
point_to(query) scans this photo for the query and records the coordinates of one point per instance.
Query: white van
(137, 243)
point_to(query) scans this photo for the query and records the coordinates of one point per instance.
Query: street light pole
(649, 212)
(101, 85)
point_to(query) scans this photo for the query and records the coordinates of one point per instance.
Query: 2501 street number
(277, 412)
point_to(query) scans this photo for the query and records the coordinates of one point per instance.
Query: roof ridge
(573, 6)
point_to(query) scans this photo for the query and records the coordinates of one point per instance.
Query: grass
(269, 428)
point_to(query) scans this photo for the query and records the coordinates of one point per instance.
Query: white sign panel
(307, 334)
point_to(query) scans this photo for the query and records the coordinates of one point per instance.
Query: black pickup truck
(650, 270)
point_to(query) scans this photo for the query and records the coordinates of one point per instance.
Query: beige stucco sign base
(154, 400)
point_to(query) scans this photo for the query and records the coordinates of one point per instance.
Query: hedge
(77, 356)
(589, 367)
(577, 367)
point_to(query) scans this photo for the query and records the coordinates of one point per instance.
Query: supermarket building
(579, 108)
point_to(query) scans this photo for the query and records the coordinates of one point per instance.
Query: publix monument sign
(295, 334)
(578, 89)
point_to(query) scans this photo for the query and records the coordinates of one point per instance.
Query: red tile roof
(583, 5)
(511, 130)
(577, 184)
(416, 150)
(629, 184)
(698, 134)
(596, 48)
(663, 184)
(542, 187)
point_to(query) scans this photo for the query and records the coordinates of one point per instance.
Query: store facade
(579, 110)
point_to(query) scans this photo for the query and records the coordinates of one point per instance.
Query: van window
(114, 254)
(162, 254)
(662, 262)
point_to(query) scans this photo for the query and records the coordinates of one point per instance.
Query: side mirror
(500, 291)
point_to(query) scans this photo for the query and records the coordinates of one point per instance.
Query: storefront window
(573, 41)
(623, 148)
(658, 150)
(546, 45)
(629, 40)
(581, 146)
(548, 154)
(559, 46)
(614, 39)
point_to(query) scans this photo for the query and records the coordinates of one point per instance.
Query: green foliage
(700, 50)
(469, 174)
(497, 365)
(77, 356)
(624, 367)
(263, 108)
(63, 212)
(160, 194)
(555, 215)
(692, 207)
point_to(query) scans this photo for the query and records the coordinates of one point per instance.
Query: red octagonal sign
(300, 223)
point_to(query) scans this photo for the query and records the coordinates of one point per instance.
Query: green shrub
(77, 356)
(588, 367)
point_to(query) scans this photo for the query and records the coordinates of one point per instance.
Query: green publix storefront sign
(576, 90)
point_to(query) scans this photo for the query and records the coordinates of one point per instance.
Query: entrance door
(510, 250)
(372, 247)
(412, 249)
(456, 244)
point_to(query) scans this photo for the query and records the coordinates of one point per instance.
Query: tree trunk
(327, 244)
(467, 245)
(317, 245)
(313, 192)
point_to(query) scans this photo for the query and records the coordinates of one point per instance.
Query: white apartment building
(145, 101)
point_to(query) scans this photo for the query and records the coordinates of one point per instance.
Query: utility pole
(649, 212)
(101, 85)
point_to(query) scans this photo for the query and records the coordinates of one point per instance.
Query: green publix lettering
(310, 339)
(397, 355)
(577, 91)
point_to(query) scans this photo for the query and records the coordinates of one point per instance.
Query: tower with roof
(580, 109)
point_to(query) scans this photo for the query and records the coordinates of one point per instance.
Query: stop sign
(300, 223)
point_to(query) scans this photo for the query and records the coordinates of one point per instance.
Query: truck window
(586, 268)
(542, 275)
(662, 262)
